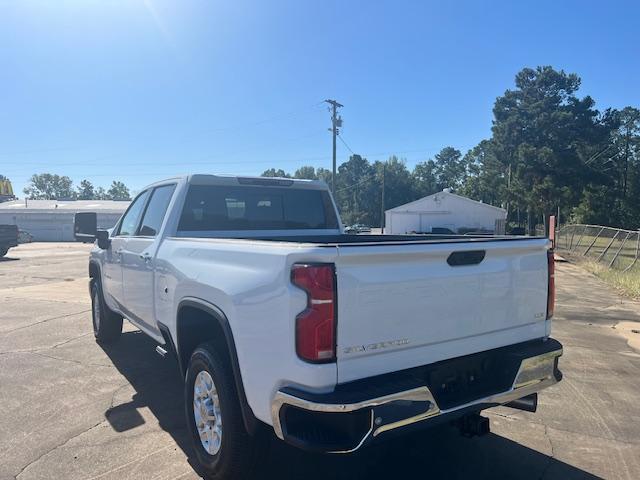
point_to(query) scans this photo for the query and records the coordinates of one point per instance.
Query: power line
(345, 144)
(178, 141)
(596, 155)
(371, 176)
(206, 160)
(185, 165)
(202, 160)
(272, 118)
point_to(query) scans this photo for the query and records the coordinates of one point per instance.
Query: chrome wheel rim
(206, 412)
(96, 312)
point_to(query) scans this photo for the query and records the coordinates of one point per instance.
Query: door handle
(119, 251)
(146, 257)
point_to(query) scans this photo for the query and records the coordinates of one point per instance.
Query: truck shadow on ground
(437, 453)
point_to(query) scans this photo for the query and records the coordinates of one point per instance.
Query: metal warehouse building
(52, 220)
(444, 210)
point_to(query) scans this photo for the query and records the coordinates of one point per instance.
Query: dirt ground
(73, 410)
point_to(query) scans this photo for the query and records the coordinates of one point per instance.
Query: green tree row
(550, 151)
(47, 186)
(359, 182)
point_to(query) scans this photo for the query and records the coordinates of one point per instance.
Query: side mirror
(85, 226)
(102, 236)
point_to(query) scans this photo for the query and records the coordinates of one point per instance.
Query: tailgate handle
(468, 257)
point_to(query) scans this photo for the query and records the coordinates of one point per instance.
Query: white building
(52, 220)
(444, 210)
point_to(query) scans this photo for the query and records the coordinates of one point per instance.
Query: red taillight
(316, 325)
(551, 293)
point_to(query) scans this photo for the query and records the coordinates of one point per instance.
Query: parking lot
(74, 410)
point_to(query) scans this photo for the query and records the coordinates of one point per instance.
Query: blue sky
(140, 90)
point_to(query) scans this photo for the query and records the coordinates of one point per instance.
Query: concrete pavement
(73, 410)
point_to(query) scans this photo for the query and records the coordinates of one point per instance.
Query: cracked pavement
(73, 410)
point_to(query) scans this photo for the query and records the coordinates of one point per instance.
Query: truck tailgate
(402, 306)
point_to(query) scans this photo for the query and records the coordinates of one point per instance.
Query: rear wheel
(107, 325)
(222, 445)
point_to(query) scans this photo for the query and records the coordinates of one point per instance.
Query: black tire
(239, 453)
(107, 325)
(3, 252)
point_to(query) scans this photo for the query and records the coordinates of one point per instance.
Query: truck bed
(406, 300)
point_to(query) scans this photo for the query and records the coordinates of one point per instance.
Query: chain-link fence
(612, 247)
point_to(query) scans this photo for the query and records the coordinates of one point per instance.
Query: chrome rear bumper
(534, 374)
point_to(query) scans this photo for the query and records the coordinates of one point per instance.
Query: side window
(153, 216)
(130, 221)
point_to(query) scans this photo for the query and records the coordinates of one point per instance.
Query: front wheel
(3, 252)
(222, 445)
(107, 325)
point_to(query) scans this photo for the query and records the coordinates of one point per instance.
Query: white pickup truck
(278, 320)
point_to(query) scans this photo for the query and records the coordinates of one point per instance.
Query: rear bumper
(357, 413)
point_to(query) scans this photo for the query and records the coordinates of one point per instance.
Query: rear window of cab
(215, 207)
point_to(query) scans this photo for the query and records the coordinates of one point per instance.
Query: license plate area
(463, 380)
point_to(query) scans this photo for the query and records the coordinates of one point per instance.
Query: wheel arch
(94, 270)
(198, 321)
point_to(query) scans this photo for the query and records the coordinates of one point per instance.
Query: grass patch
(626, 282)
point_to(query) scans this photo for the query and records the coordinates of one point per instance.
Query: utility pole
(384, 174)
(509, 192)
(626, 162)
(336, 122)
